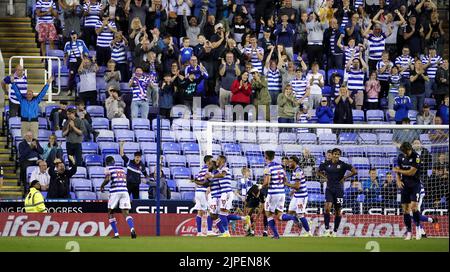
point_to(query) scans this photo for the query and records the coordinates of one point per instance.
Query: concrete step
(15, 28)
(18, 39)
(21, 48)
(11, 195)
(15, 19)
(7, 34)
(7, 188)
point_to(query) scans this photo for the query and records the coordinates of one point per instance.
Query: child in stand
(394, 84)
(373, 89)
(186, 52)
(302, 117)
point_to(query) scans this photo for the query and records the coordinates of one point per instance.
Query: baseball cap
(254, 70)
(73, 32)
(267, 29)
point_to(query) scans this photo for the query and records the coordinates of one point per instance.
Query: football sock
(224, 220)
(287, 217)
(234, 217)
(337, 221)
(209, 223)
(272, 226)
(219, 225)
(305, 223)
(265, 223)
(198, 220)
(326, 218)
(112, 222)
(407, 220)
(130, 222)
(416, 216)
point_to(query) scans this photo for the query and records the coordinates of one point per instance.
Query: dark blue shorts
(410, 194)
(334, 195)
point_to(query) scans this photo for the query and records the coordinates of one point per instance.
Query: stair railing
(49, 71)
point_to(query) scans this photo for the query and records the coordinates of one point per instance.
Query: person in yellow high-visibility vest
(34, 201)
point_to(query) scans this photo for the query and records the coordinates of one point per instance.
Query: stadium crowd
(311, 57)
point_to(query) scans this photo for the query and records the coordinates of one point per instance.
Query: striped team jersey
(106, 36)
(299, 87)
(435, 62)
(215, 186)
(336, 90)
(22, 84)
(273, 80)
(348, 51)
(376, 46)
(256, 63)
(358, 3)
(355, 80)
(225, 182)
(93, 16)
(394, 83)
(118, 178)
(277, 175)
(201, 177)
(332, 43)
(118, 52)
(139, 88)
(44, 6)
(387, 72)
(422, 190)
(299, 176)
(302, 118)
(403, 61)
(75, 49)
(345, 20)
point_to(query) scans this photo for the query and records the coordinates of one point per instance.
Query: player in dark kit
(334, 172)
(256, 196)
(408, 180)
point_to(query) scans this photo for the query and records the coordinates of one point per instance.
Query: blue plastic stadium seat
(367, 138)
(96, 111)
(124, 135)
(165, 124)
(184, 136)
(89, 147)
(313, 187)
(347, 138)
(100, 123)
(120, 123)
(360, 162)
(231, 149)
(93, 160)
(148, 147)
(150, 159)
(171, 148)
(307, 138)
(181, 173)
(86, 195)
(187, 195)
(352, 151)
(105, 136)
(49, 109)
(176, 160)
(185, 185)
(374, 115)
(358, 116)
(144, 135)
(379, 162)
(117, 159)
(251, 149)
(326, 91)
(327, 139)
(140, 123)
(81, 173)
(80, 184)
(193, 160)
(385, 138)
(43, 135)
(130, 147)
(292, 150)
(181, 124)
(256, 161)
(167, 136)
(190, 148)
(236, 161)
(109, 148)
(14, 123)
(96, 172)
(287, 138)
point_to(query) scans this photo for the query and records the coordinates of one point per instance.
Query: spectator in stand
(114, 105)
(356, 69)
(302, 116)
(336, 83)
(73, 131)
(405, 64)
(425, 158)
(137, 33)
(442, 162)
(52, 151)
(315, 29)
(373, 88)
(351, 194)
(394, 85)
(137, 9)
(425, 117)
(324, 112)
(58, 115)
(389, 23)
(72, 12)
(405, 135)
(443, 111)
(375, 40)
(308, 164)
(157, 16)
(332, 50)
(413, 36)
(166, 93)
(119, 56)
(139, 84)
(112, 76)
(29, 107)
(171, 52)
(384, 67)
(30, 152)
(261, 96)
(273, 74)
(241, 90)
(438, 136)
(41, 174)
(190, 85)
(186, 52)
(136, 168)
(435, 35)
(316, 82)
(300, 85)
(92, 10)
(193, 29)
(371, 186)
(1, 177)
(46, 13)
(59, 187)
(442, 86)
(229, 70)
(34, 200)
(438, 179)
(431, 64)
(74, 51)
(21, 81)
(105, 29)
(88, 81)
(85, 117)
(287, 106)
(418, 79)
(285, 35)
(199, 71)
(402, 104)
(389, 191)
(116, 12)
(344, 104)
(255, 53)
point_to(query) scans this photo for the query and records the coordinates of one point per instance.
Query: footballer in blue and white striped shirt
(297, 206)
(275, 178)
(118, 195)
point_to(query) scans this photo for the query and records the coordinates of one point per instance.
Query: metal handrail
(47, 72)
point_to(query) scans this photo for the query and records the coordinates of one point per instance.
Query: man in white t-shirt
(316, 83)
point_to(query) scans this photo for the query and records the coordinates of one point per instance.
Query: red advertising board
(96, 224)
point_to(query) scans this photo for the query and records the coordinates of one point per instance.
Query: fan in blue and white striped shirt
(431, 63)
(118, 50)
(44, 6)
(254, 51)
(105, 32)
(92, 11)
(376, 44)
(404, 63)
(355, 75)
(299, 85)
(21, 81)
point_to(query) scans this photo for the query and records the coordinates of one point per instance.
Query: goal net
(371, 205)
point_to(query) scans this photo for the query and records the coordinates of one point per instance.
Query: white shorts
(274, 202)
(298, 205)
(213, 205)
(226, 201)
(201, 203)
(120, 199)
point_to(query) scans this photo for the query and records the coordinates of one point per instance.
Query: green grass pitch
(214, 244)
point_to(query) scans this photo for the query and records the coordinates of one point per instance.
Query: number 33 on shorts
(339, 200)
